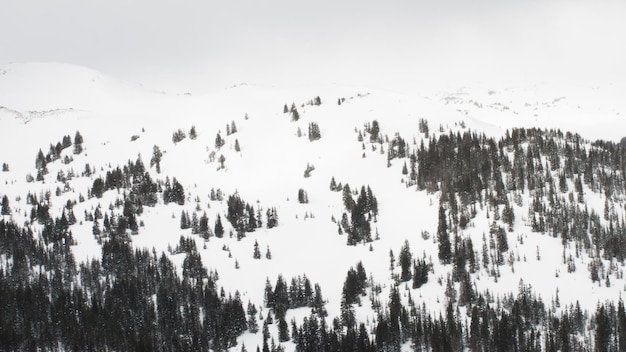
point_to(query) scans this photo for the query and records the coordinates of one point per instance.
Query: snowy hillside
(428, 220)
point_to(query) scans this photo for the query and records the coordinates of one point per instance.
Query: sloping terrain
(446, 221)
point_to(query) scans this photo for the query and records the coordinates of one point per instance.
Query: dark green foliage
(97, 189)
(272, 218)
(334, 186)
(362, 212)
(253, 326)
(156, 158)
(174, 193)
(298, 294)
(219, 228)
(241, 216)
(178, 136)
(283, 330)
(219, 141)
(203, 226)
(71, 309)
(40, 161)
(445, 251)
(405, 260)
(185, 222)
(423, 126)
(78, 143)
(314, 132)
(354, 285)
(303, 198)
(6, 209)
(374, 131)
(295, 115)
(257, 252)
(420, 273)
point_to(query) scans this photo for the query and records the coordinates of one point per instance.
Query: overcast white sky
(205, 45)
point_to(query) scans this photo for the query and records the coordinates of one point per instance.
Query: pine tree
(253, 327)
(178, 136)
(374, 130)
(302, 196)
(219, 142)
(257, 252)
(78, 143)
(184, 220)
(333, 184)
(219, 228)
(283, 330)
(203, 225)
(445, 252)
(40, 161)
(156, 158)
(314, 132)
(348, 201)
(420, 273)
(6, 210)
(405, 260)
(268, 254)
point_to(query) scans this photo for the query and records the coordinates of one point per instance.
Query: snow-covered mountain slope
(264, 158)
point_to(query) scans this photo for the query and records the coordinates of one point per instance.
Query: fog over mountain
(199, 46)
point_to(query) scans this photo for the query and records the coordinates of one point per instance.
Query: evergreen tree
(405, 260)
(420, 273)
(314, 132)
(253, 327)
(219, 142)
(184, 220)
(78, 143)
(257, 252)
(156, 158)
(445, 251)
(203, 225)
(272, 218)
(6, 209)
(178, 136)
(302, 196)
(295, 116)
(219, 228)
(283, 330)
(268, 254)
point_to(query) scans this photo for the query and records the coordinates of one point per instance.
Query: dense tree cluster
(555, 169)
(298, 293)
(174, 192)
(362, 212)
(241, 215)
(54, 153)
(520, 322)
(106, 304)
